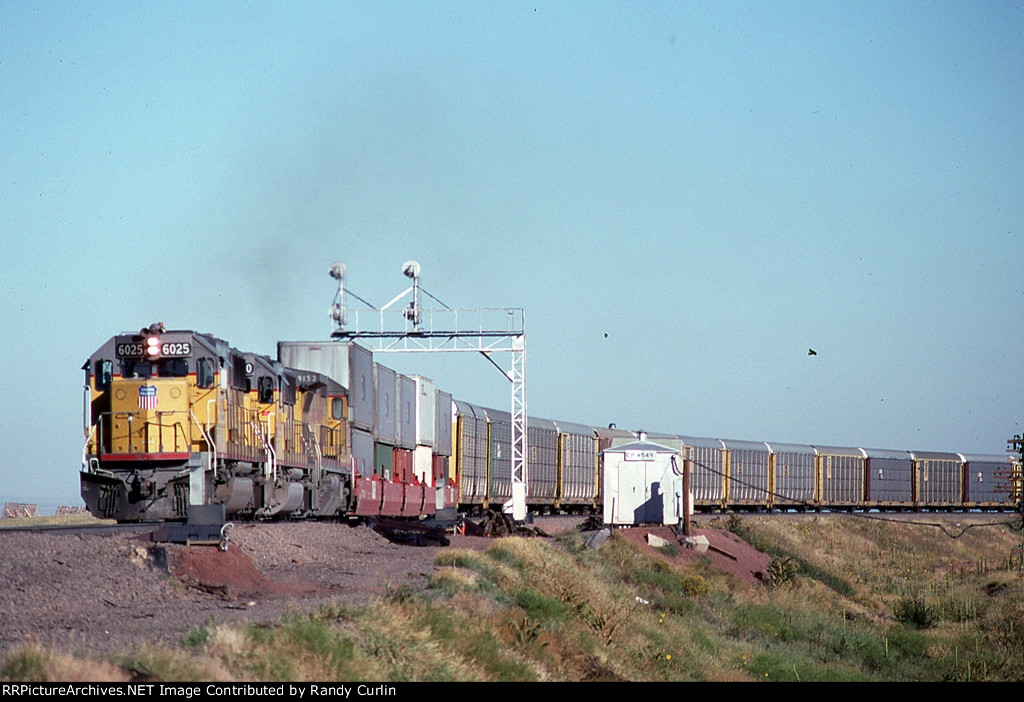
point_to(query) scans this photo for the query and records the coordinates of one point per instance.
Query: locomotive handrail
(264, 437)
(86, 391)
(177, 428)
(330, 439)
(85, 448)
(310, 439)
(211, 460)
(100, 434)
(254, 431)
(216, 413)
(295, 447)
(148, 425)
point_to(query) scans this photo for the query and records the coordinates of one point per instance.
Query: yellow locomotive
(177, 418)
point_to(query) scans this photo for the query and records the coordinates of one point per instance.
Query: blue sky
(716, 186)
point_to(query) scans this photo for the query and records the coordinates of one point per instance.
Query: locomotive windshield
(163, 368)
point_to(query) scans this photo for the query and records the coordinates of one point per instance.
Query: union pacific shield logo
(147, 397)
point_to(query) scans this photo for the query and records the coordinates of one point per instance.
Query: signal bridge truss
(487, 330)
(414, 329)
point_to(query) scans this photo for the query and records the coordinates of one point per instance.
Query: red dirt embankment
(726, 552)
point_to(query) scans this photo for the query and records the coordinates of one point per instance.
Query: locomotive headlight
(152, 347)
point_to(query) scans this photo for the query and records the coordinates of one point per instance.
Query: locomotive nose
(150, 416)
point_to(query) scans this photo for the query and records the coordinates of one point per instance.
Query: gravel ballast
(98, 594)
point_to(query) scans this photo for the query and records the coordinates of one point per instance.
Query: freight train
(176, 419)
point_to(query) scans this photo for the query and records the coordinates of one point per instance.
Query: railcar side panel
(889, 479)
(577, 465)
(385, 390)
(708, 476)
(499, 458)
(938, 479)
(792, 467)
(443, 423)
(405, 414)
(748, 472)
(471, 455)
(384, 461)
(542, 458)
(842, 474)
(987, 480)
(363, 452)
(424, 410)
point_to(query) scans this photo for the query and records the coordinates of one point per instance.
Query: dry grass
(33, 663)
(871, 600)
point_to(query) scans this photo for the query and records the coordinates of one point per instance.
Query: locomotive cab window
(104, 374)
(238, 379)
(265, 387)
(172, 368)
(164, 368)
(337, 408)
(287, 391)
(204, 373)
(136, 369)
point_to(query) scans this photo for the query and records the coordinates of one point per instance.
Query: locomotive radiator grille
(181, 499)
(109, 495)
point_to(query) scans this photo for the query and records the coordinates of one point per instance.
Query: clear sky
(716, 186)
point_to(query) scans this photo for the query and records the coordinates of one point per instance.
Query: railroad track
(71, 529)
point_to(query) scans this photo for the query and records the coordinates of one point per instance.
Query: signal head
(411, 269)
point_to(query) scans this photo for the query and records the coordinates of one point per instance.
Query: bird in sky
(812, 352)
